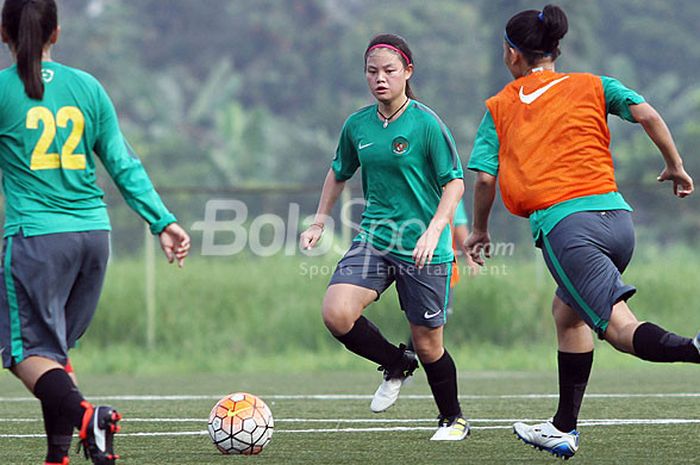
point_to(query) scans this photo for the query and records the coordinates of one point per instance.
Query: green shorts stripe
(448, 291)
(15, 327)
(599, 324)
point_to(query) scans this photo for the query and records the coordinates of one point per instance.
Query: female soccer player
(546, 138)
(56, 240)
(412, 181)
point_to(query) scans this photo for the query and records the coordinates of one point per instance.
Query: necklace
(387, 118)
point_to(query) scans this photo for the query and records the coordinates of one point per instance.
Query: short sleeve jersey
(47, 161)
(460, 215)
(404, 167)
(487, 146)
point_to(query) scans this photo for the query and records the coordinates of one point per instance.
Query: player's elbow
(485, 180)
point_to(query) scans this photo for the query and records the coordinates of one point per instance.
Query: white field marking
(601, 422)
(301, 420)
(590, 421)
(366, 397)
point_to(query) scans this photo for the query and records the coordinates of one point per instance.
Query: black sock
(442, 377)
(655, 344)
(59, 397)
(574, 370)
(59, 433)
(365, 340)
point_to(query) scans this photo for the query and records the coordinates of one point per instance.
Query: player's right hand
(479, 246)
(310, 237)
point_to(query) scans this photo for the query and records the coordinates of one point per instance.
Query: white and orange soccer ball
(241, 423)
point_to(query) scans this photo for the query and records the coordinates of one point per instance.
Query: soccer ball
(240, 423)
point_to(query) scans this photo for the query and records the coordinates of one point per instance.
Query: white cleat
(451, 429)
(394, 378)
(696, 342)
(386, 394)
(545, 436)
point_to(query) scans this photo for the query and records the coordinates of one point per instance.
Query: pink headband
(392, 48)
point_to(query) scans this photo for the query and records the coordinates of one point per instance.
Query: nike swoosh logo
(527, 99)
(233, 413)
(364, 146)
(427, 315)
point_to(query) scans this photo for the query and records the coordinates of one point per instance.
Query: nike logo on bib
(427, 315)
(527, 99)
(364, 146)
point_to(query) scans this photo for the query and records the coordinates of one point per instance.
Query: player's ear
(55, 35)
(408, 71)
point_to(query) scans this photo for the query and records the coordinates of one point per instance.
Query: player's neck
(394, 108)
(546, 65)
(46, 54)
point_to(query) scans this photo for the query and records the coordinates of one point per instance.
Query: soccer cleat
(97, 433)
(545, 436)
(394, 378)
(451, 429)
(696, 342)
(65, 461)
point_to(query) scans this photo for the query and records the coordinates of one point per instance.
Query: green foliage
(248, 92)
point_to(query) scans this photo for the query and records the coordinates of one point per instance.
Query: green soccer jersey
(484, 157)
(47, 162)
(404, 168)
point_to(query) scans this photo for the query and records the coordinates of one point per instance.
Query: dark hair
(29, 25)
(537, 34)
(399, 43)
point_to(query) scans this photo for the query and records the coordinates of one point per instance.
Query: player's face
(386, 75)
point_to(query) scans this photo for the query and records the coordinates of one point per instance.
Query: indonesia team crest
(47, 75)
(399, 145)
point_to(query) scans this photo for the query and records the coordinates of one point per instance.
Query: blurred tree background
(221, 94)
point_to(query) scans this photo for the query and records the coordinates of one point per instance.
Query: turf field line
(300, 420)
(332, 397)
(590, 421)
(605, 422)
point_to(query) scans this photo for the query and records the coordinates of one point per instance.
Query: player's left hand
(682, 182)
(425, 247)
(479, 246)
(175, 243)
(473, 266)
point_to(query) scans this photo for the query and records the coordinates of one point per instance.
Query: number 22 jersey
(47, 161)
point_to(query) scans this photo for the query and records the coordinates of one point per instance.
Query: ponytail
(29, 25)
(29, 51)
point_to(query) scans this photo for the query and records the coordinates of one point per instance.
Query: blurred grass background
(246, 314)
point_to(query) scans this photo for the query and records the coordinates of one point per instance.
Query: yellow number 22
(41, 158)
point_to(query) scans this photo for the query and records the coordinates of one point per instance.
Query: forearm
(484, 195)
(329, 196)
(451, 195)
(658, 132)
(461, 234)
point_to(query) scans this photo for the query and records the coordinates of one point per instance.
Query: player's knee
(337, 317)
(428, 348)
(429, 353)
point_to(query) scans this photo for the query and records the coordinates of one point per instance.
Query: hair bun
(556, 25)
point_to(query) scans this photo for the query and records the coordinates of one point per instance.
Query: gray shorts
(423, 293)
(49, 288)
(586, 253)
